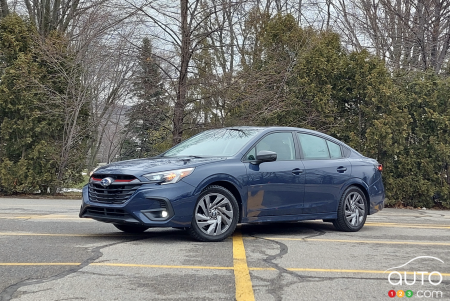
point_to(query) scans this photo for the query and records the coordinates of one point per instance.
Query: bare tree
(98, 81)
(410, 34)
(49, 15)
(179, 33)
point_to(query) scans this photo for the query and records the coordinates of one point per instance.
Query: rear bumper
(377, 197)
(151, 205)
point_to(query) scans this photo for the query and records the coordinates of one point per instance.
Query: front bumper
(146, 206)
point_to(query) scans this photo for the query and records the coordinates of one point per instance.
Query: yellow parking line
(158, 266)
(66, 235)
(41, 217)
(38, 216)
(243, 292)
(244, 289)
(426, 243)
(36, 263)
(45, 217)
(339, 271)
(409, 224)
(19, 206)
(353, 271)
(395, 225)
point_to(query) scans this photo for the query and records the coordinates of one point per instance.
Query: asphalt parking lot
(48, 253)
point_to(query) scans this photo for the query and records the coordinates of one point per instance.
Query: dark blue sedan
(219, 178)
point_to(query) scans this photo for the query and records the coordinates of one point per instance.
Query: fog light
(164, 213)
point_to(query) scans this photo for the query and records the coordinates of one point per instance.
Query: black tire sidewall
(197, 233)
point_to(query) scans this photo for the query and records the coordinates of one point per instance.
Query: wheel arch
(366, 194)
(228, 183)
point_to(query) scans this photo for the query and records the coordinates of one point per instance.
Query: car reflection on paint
(219, 178)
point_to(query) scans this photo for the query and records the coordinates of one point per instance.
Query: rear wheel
(131, 228)
(215, 216)
(352, 210)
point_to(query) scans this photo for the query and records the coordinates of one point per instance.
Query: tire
(352, 210)
(131, 228)
(216, 222)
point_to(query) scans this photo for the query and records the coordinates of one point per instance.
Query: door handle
(297, 171)
(341, 169)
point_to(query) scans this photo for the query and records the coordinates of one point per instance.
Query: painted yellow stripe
(383, 224)
(426, 243)
(409, 224)
(353, 271)
(37, 263)
(19, 206)
(193, 267)
(244, 289)
(38, 216)
(67, 235)
(339, 271)
(420, 226)
(157, 266)
(44, 217)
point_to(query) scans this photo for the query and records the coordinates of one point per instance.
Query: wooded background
(92, 81)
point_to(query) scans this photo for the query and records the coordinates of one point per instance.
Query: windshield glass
(214, 143)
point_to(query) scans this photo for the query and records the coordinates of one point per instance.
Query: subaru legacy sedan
(211, 182)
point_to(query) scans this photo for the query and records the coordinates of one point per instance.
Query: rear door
(326, 171)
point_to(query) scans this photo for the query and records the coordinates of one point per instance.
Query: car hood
(139, 167)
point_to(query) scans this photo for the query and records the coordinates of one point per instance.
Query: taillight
(380, 167)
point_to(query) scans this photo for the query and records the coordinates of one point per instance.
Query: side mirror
(266, 156)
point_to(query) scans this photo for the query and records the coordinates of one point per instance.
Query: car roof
(266, 129)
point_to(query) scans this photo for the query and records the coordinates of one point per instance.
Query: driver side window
(280, 143)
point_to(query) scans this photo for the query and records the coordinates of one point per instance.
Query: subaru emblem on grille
(106, 181)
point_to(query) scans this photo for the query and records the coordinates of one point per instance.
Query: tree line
(100, 81)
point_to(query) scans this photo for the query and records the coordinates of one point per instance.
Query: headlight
(169, 177)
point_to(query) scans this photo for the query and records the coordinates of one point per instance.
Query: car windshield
(213, 143)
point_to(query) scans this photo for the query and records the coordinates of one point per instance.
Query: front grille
(115, 177)
(111, 212)
(113, 194)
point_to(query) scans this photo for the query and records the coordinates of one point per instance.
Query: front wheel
(352, 210)
(131, 228)
(215, 215)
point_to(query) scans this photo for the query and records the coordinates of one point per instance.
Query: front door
(275, 188)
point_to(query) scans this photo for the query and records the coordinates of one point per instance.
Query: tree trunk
(180, 104)
(4, 11)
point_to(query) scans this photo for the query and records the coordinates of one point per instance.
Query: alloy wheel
(354, 209)
(214, 214)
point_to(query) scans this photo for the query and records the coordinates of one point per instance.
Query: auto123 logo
(418, 283)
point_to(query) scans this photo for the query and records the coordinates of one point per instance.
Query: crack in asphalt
(319, 232)
(7, 293)
(276, 283)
